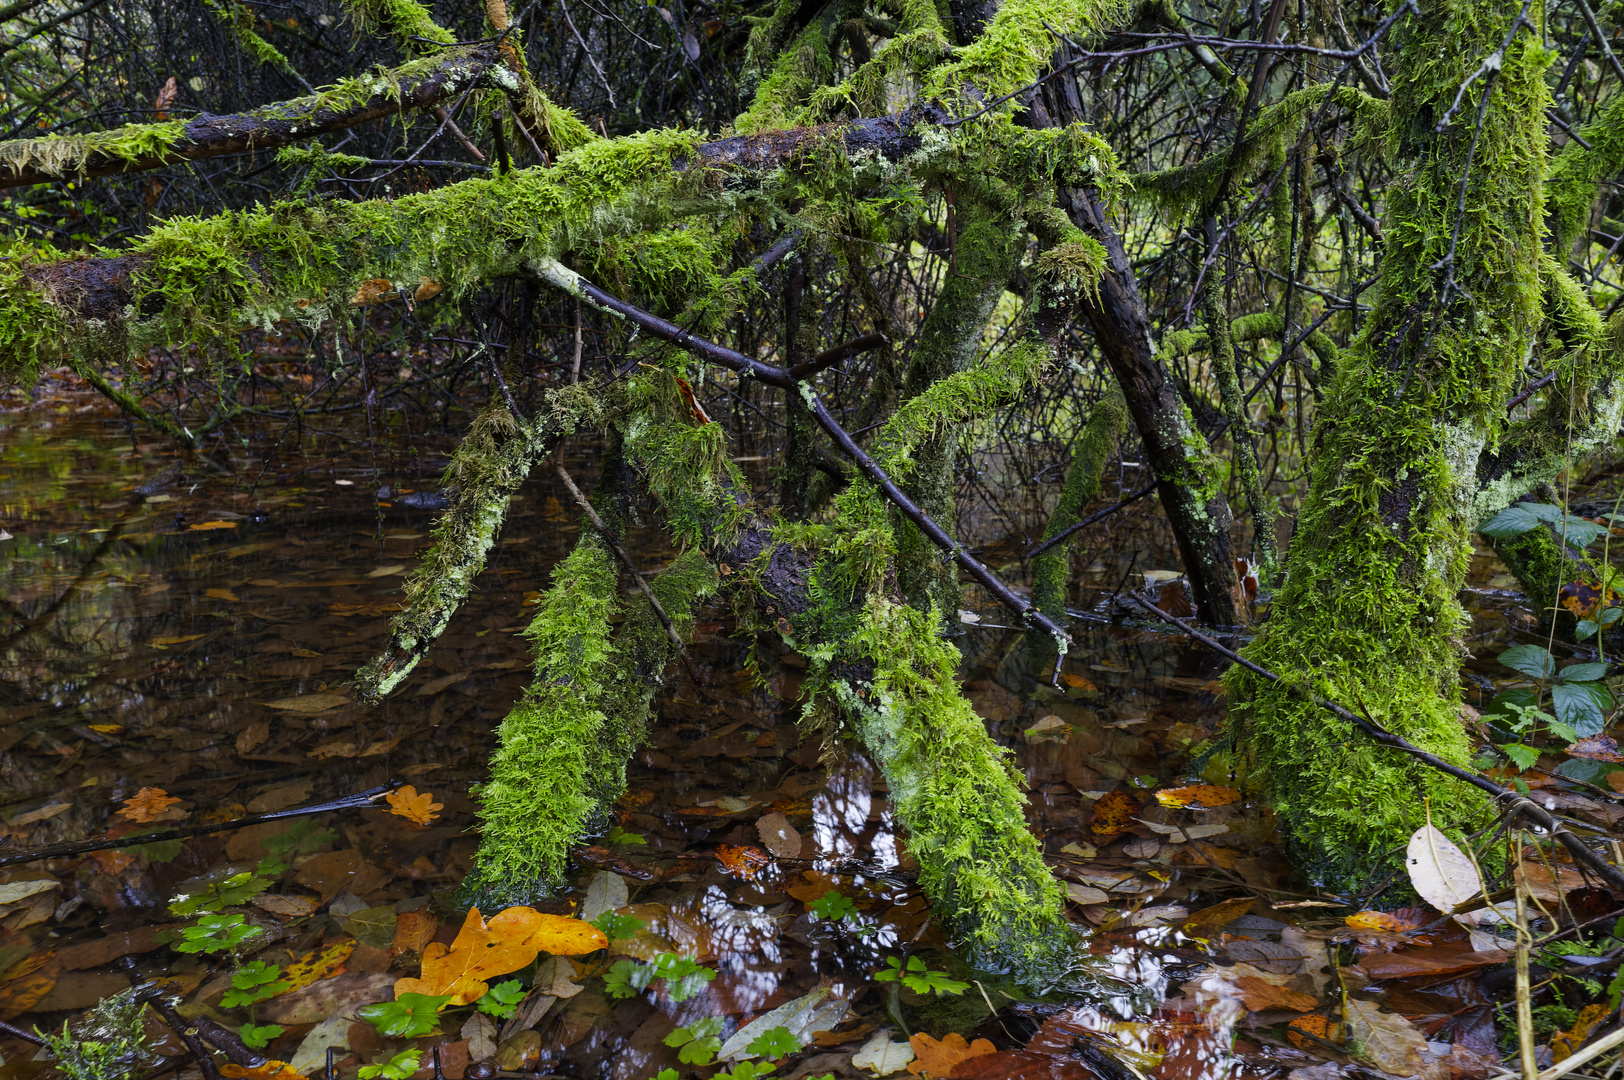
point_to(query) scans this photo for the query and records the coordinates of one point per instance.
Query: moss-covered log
(1369, 614)
(424, 83)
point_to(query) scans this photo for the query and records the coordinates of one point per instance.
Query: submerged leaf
(1441, 873)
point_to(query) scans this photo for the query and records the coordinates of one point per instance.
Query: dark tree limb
(419, 84)
(1098, 515)
(830, 357)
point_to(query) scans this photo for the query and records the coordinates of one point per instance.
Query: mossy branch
(139, 147)
(487, 468)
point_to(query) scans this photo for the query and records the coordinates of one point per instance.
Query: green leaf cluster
(684, 977)
(398, 1067)
(215, 933)
(253, 982)
(229, 892)
(502, 999)
(918, 978)
(409, 1016)
(698, 1042)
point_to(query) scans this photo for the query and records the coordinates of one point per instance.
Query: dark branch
(830, 357)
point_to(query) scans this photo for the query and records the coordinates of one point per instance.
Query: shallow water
(165, 625)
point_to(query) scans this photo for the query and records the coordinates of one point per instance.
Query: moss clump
(1015, 48)
(404, 20)
(953, 789)
(1576, 175)
(70, 155)
(240, 20)
(107, 1043)
(542, 795)
(31, 327)
(798, 71)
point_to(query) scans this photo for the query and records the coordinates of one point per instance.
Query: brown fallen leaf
(165, 98)
(1306, 1032)
(1446, 959)
(145, 805)
(222, 594)
(1597, 748)
(331, 872)
(936, 1058)
(1209, 920)
(288, 907)
(1020, 1065)
(308, 704)
(413, 931)
(779, 836)
(270, 1070)
(1385, 1040)
(420, 809)
(1259, 993)
(372, 291)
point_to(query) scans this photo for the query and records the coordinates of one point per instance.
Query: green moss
(1576, 175)
(1369, 614)
(543, 794)
(70, 155)
(798, 71)
(954, 790)
(241, 21)
(664, 269)
(1015, 48)
(402, 20)
(685, 465)
(31, 327)
(1249, 328)
(109, 1042)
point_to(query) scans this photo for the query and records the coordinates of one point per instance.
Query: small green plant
(259, 1036)
(615, 926)
(748, 1070)
(253, 982)
(918, 978)
(832, 905)
(231, 891)
(698, 1042)
(1578, 699)
(684, 977)
(215, 933)
(409, 1016)
(774, 1043)
(107, 1043)
(502, 999)
(619, 837)
(398, 1067)
(1516, 520)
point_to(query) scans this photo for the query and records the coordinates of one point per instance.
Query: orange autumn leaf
(417, 808)
(936, 1058)
(1381, 920)
(1260, 994)
(1076, 682)
(147, 804)
(1114, 814)
(270, 1070)
(210, 526)
(317, 965)
(1565, 1043)
(480, 952)
(564, 936)
(741, 862)
(1305, 1029)
(1198, 796)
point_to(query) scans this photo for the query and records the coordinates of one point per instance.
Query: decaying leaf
(372, 291)
(605, 892)
(1114, 814)
(1596, 748)
(1564, 1043)
(779, 836)
(1385, 1040)
(270, 1070)
(308, 704)
(417, 808)
(1306, 1032)
(145, 805)
(413, 931)
(1441, 873)
(803, 1017)
(317, 965)
(936, 1058)
(1198, 796)
(1209, 920)
(741, 862)
(881, 1056)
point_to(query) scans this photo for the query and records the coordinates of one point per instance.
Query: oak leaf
(564, 936)
(482, 951)
(414, 807)
(147, 804)
(936, 1058)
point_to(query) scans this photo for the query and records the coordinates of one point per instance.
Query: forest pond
(167, 626)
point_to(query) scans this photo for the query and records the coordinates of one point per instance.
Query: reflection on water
(163, 624)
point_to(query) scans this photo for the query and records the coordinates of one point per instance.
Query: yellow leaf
(146, 804)
(481, 951)
(414, 807)
(221, 594)
(1380, 920)
(564, 936)
(178, 639)
(316, 966)
(270, 1070)
(209, 526)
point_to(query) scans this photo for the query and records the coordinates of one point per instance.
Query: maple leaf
(417, 808)
(146, 804)
(936, 1059)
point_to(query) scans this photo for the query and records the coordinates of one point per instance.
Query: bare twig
(1098, 515)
